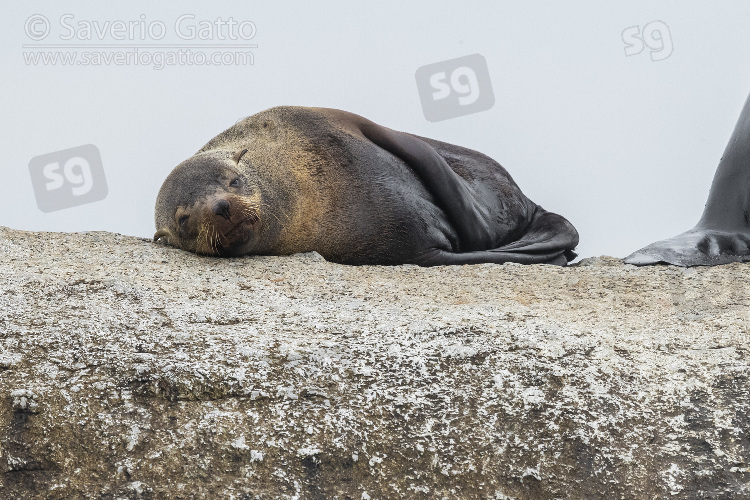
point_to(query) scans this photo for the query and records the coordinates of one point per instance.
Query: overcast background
(624, 147)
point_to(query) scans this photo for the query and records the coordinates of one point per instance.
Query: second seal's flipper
(723, 233)
(697, 247)
(550, 239)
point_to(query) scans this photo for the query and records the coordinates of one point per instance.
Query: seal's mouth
(247, 221)
(235, 240)
(227, 227)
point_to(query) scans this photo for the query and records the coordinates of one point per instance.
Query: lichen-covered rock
(133, 370)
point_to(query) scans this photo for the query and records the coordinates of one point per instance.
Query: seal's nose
(221, 207)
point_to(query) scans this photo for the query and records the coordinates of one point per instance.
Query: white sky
(624, 147)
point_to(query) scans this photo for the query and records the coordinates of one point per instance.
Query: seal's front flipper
(549, 239)
(697, 247)
(723, 233)
(452, 194)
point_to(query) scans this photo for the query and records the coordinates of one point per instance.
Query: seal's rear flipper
(697, 247)
(549, 239)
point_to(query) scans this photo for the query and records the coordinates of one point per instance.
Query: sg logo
(655, 36)
(68, 178)
(455, 87)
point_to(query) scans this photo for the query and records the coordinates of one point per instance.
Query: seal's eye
(182, 220)
(235, 182)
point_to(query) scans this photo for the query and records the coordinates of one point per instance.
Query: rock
(313, 256)
(133, 370)
(24, 401)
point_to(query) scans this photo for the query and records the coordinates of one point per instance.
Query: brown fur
(325, 180)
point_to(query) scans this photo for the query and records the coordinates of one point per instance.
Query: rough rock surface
(132, 370)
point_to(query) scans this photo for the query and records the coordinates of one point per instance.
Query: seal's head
(207, 205)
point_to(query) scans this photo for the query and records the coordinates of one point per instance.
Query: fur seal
(722, 234)
(294, 179)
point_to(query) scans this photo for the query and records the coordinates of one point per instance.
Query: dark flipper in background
(697, 247)
(723, 233)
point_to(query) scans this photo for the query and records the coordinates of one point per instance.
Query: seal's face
(208, 206)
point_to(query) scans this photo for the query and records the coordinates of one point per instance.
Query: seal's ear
(238, 155)
(161, 233)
